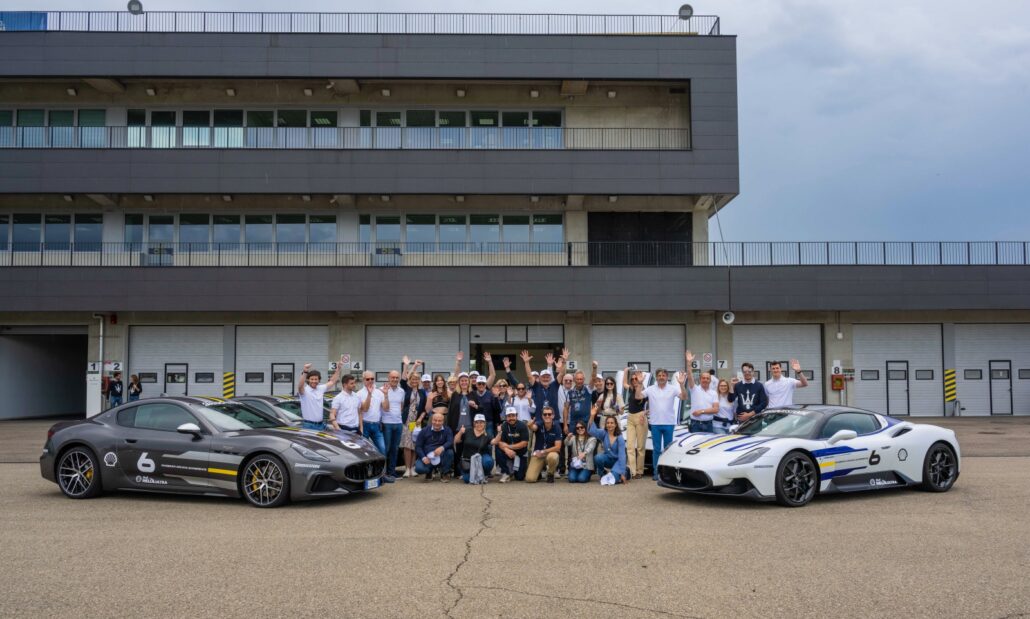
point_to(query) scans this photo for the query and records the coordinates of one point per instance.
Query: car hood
(336, 443)
(719, 446)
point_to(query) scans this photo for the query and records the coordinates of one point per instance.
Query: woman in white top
(522, 400)
(607, 401)
(724, 418)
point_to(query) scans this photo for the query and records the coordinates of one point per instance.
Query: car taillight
(49, 434)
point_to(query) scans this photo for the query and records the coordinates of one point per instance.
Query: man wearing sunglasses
(546, 448)
(372, 411)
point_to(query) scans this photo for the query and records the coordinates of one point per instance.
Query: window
(388, 119)
(290, 229)
(972, 374)
(175, 378)
(808, 374)
(282, 377)
(161, 228)
(6, 118)
(323, 119)
(228, 129)
(365, 228)
(194, 230)
(258, 229)
(486, 229)
(548, 229)
(924, 374)
(162, 129)
(254, 377)
(4, 225)
(196, 127)
(516, 228)
(89, 232)
(61, 132)
(515, 119)
(388, 229)
(365, 118)
(92, 133)
(1000, 374)
(420, 231)
(870, 374)
(484, 118)
(547, 119)
(92, 118)
(226, 231)
(136, 118)
(421, 118)
(861, 423)
(27, 232)
(259, 118)
(322, 228)
(159, 416)
(57, 232)
(452, 229)
(292, 118)
(897, 374)
(452, 119)
(30, 128)
(148, 377)
(30, 118)
(204, 377)
(127, 417)
(1024, 374)
(133, 228)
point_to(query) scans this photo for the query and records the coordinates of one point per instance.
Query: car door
(153, 455)
(855, 461)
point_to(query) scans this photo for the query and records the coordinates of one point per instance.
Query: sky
(875, 120)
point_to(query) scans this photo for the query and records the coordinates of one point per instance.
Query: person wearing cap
(461, 408)
(434, 448)
(512, 442)
(476, 442)
(542, 387)
(546, 449)
(486, 405)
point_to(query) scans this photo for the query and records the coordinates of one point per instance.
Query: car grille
(689, 479)
(365, 470)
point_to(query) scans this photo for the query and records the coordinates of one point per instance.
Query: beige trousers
(636, 442)
(537, 464)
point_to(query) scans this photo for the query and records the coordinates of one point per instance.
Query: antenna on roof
(136, 7)
(686, 11)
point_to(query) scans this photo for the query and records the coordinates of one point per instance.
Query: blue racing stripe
(831, 451)
(832, 474)
(747, 445)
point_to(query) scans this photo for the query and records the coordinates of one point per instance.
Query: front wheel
(796, 480)
(266, 481)
(78, 474)
(940, 468)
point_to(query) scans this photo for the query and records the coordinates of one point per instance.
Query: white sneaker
(504, 479)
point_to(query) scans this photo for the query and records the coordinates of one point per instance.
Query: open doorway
(499, 351)
(30, 358)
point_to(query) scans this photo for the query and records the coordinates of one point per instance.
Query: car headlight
(309, 454)
(750, 456)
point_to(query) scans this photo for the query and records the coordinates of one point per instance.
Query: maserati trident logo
(369, 470)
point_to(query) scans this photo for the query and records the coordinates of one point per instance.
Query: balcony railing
(410, 138)
(359, 23)
(558, 254)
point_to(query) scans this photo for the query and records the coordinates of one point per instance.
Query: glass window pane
(515, 119)
(194, 229)
(290, 228)
(388, 229)
(57, 232)
(322, 228)
(226, 231)
(322, 118)
(484, 118)
(258, 229)
(547, 119)
(62, 118)
(547, 229)
(364, 228)
(227, 118)
(421, 230)
(452, 119)
(4, 226)
(133, 228)
(966, 374)
(30, 118)
(162, 119)
(516, 228)
(196, 118)
(161, 229)
(28, 232)
(293, 118)
(89, 232)
(137, 118)
(421, 118)
(6, 118)
(92, 118)
(365, 118)
(260, 118)
(486, 229)
(61, 134)
(452, 228)
(388, 119)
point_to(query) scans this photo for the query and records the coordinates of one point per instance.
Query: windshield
(288, 414)
(245, 415)
(796, 424)
(290, 406)
(220, 420)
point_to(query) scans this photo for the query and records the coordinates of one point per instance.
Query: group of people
(112, 390)
(555, 423)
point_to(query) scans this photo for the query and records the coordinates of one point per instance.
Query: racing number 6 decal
(874, 458)
(145, 464)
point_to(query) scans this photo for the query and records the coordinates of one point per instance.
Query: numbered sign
(332, 367)
(723, 364)
(356, 366)
(113, 366)
(93, 367)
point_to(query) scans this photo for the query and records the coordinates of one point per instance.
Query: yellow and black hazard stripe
(228, 384)
(950, 386)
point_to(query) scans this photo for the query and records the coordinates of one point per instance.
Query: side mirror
(842, 435)
(189, 428)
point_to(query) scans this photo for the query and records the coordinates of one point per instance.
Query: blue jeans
(579, 476)
(446, 460)
(507, 465)
(696, 425)
(133, 398)
(392, 439)
(313, 425)
(721, 427)
(488, 465)
(116, 400)
(603, 462)
(661, 438)
(374, 433)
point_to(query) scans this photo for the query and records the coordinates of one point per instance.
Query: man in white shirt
(661, 398)
(372, 411)
(311, 395)
(780, 388)
(393, 422)
(346, 408)
(704, 402)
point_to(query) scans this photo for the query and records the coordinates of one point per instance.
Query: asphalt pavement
(415, 549)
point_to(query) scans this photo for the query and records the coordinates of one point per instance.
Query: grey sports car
(179, 445)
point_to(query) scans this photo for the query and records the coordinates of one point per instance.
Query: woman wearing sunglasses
(607, 401)
(581, 448)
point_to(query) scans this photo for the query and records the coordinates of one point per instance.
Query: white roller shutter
(990, 360)
(195, 351)
(385, 345)
(915, 356)
(615, 346)
(287, 348)
(761, 344)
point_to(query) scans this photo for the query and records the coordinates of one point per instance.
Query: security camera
(728, 318)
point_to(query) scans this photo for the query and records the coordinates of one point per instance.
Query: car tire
(797, 480)
(265, 481)
(78, 473)
(940, 468)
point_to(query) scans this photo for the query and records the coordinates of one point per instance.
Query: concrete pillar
(843, 350)
(699, 233)
(347, 338)
(577, 234)
(699, 338)
(578, 340)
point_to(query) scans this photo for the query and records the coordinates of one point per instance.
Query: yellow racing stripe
(826, 464)
(222, 471)
(715, 441)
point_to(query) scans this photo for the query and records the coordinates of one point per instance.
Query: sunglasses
(580, 428)
(520, 388)
(368, 380)
(548, 415)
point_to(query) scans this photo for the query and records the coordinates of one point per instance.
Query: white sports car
(790, 454)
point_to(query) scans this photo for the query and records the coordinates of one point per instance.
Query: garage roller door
(386, 345)
(176, 360)
(615, 346)
(269, 359)
(899, 369)
(993, 363)
(761, 344)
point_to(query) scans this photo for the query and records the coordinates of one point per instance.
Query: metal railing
(360, 23)
(386, 138)
(557, 254)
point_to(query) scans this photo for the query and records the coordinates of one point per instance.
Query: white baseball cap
(426, 378)
(465, 374)
(479, 418)
(534, 373)
(546, 372)
(510, 411)
(481, 379)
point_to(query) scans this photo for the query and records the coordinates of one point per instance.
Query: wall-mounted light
(231, 92)
(150, 91)
(459, 93)
(148, 198)
(613, 199)
(71, 92)
(611, 94)
(306, 198)
(534, 94)
(226, 198)
(384, 198)
(308, 92)
(68, 198)
(459, 198)
(534, 199)
(385, 92)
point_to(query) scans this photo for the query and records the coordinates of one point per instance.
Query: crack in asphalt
(587, 600)
(449, 581)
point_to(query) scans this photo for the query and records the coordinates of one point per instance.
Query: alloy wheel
(76, 473)
(263, 481)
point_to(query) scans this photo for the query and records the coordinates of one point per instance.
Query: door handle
(130, 440)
